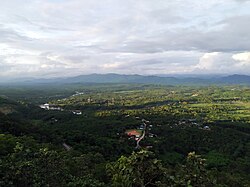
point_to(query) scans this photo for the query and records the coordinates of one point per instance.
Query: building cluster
(47, 106)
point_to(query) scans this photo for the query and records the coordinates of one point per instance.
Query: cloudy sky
(71, 37)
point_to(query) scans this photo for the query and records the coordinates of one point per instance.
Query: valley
(114, 120)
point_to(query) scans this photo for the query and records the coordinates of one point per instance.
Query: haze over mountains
(143, 79)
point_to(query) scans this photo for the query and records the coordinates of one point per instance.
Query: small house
(206, 128)
(77, 112)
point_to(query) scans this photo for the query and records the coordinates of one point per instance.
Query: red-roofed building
(133, 132)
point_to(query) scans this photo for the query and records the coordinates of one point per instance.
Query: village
(47, 106)
(144, 130)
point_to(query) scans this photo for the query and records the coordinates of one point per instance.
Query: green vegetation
(51, 147)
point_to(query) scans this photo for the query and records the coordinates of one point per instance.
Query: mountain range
(141, 79)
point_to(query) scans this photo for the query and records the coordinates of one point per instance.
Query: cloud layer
(66, 38)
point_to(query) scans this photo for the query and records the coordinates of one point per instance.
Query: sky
(58, 38)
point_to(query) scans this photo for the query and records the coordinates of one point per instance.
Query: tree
(142, 169)
(194, 173)
(139, 169)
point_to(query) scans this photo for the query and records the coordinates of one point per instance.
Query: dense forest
(77, 135)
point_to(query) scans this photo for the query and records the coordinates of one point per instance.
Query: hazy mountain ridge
(152, 79)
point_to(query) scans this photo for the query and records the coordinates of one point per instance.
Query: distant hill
(235, 79)
(118, 78)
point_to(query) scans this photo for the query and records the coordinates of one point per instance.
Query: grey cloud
(9, 35)
(233, 36)
(74, 37)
